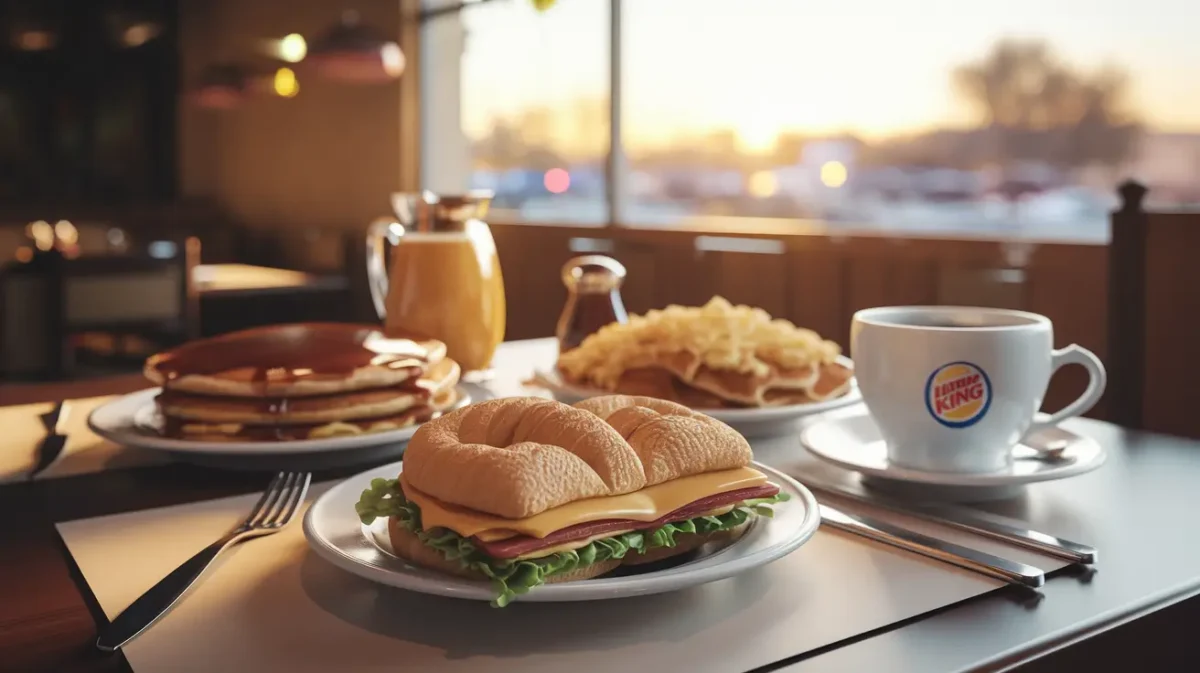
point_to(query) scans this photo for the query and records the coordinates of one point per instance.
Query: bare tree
(1037, 107)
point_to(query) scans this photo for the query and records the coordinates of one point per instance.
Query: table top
(1139, 517)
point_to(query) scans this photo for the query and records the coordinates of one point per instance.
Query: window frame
(414, 171)
(617, 168)
(414, 158)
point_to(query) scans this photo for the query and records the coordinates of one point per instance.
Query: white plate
(749, 421)
(335, 533)
(852, 441)
(130, 419)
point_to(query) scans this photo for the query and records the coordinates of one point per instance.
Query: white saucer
(335, 533)
(132, 420)
(751, 422)
(853, 442)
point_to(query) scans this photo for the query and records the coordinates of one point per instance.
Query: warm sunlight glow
(762, 184)
(557, 181)
(757, 133)
(833, 174)
(766, 81)
(293, 48)
(286, 84)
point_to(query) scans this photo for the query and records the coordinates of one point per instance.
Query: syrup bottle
(593, 298)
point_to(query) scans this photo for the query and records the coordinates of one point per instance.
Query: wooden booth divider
(817, 280)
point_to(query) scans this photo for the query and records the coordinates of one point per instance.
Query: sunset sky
(872, 67)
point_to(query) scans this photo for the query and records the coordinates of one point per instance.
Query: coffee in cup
(954, 389)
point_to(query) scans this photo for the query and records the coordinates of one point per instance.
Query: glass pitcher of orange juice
(444, 279)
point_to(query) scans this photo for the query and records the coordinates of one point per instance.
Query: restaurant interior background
(174, 168)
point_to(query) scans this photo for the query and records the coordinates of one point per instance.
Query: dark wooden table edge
(93, 606)
(52, 502)
(20, 393)
(1011, 593)
(1102, 623)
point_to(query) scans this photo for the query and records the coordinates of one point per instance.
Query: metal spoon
(1053, 451)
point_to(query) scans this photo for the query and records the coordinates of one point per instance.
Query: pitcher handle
(379, 234)
(1097, 379)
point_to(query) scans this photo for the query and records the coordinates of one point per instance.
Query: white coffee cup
(954, 389)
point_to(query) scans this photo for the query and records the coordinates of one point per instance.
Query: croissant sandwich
(525, 491)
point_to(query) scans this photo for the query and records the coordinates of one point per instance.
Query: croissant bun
(516, 457)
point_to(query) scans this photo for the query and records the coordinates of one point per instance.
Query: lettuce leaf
(383, 498)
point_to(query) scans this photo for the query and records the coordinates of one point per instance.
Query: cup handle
(379, 234)
(1097, 379)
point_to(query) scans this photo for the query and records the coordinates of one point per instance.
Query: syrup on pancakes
(292, 352)
(286, 354)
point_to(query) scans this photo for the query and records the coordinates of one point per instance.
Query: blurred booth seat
(58, 314)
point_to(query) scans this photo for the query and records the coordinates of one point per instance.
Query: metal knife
(946, 552)
(962, 519)
(52, 445)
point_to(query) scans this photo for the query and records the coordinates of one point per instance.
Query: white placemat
(271, 605)
(84, 451)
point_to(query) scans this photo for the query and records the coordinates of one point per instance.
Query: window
(517, 101)
(922, 116)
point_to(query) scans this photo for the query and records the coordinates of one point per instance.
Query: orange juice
(448, 285)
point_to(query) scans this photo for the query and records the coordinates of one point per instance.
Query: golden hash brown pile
(716, 355)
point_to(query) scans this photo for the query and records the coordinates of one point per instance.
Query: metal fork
(274, 510)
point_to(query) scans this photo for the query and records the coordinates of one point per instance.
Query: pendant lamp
(353, 52)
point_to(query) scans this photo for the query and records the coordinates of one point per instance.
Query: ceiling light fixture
(352, 52)
(292, 48)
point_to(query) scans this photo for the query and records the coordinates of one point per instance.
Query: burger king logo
(958, 394)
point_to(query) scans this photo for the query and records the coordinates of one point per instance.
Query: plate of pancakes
(734, 363)
(299, 388)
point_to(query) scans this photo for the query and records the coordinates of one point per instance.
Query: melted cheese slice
(578, 544)
(647, 504)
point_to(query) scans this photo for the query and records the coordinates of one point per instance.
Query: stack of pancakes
(710, 357)
(301, 381)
